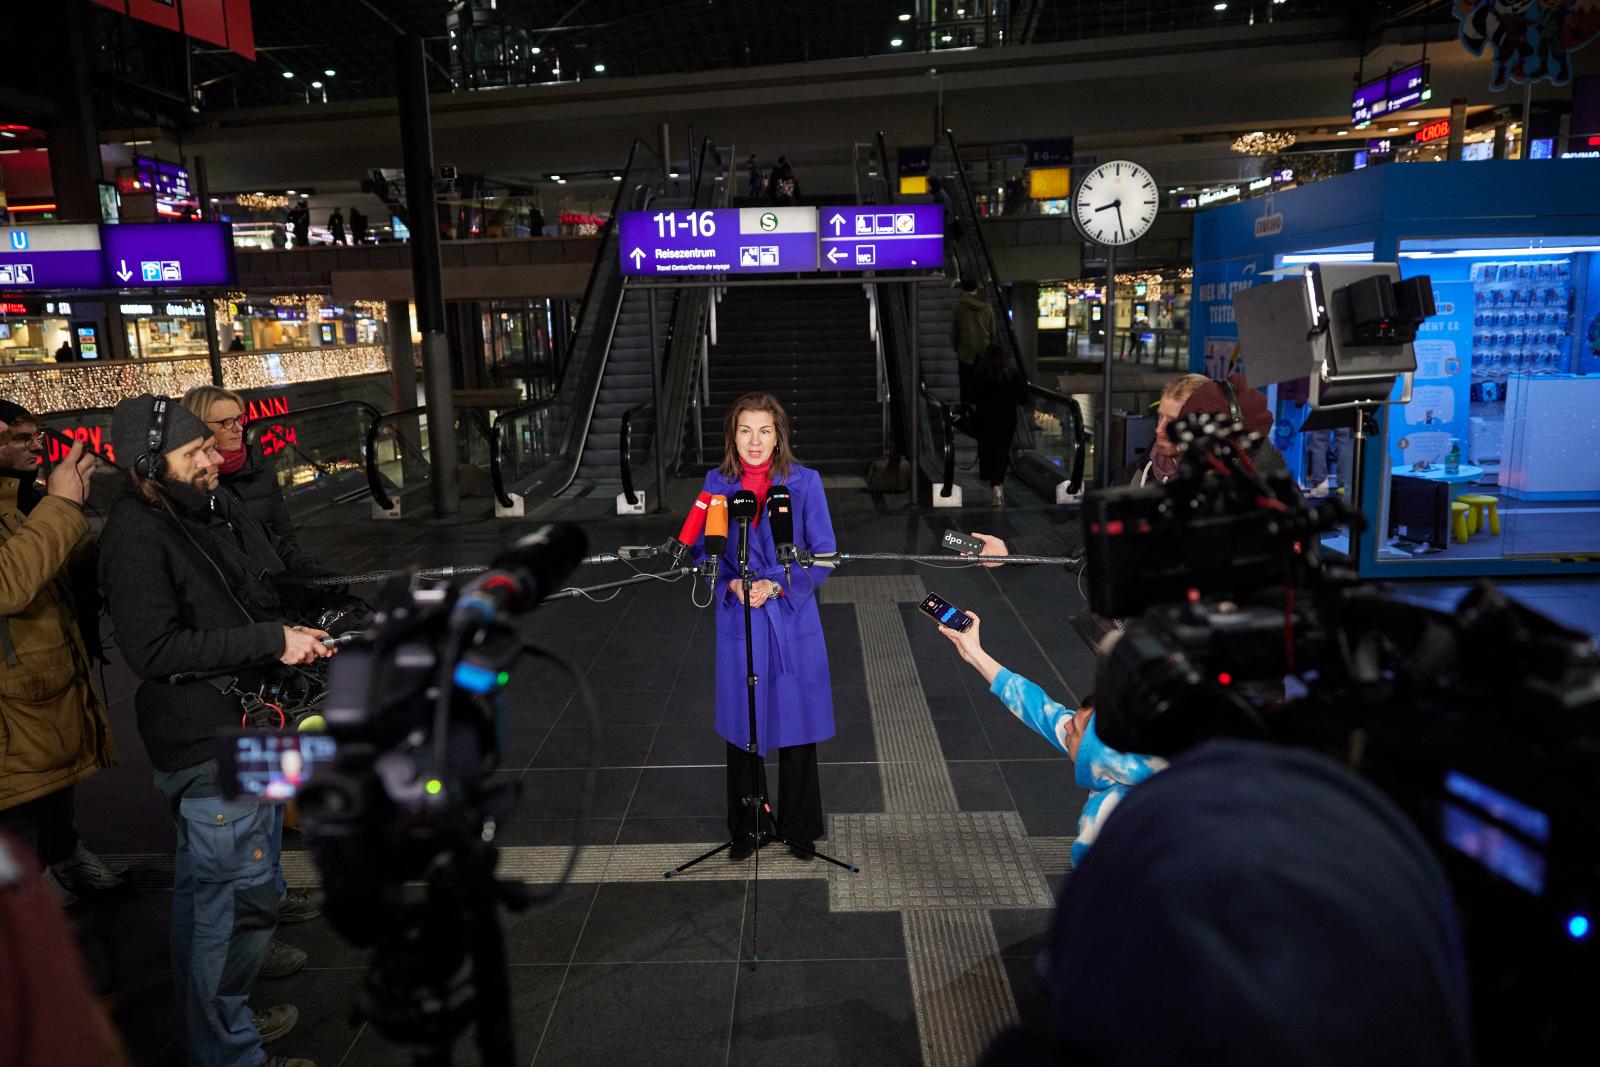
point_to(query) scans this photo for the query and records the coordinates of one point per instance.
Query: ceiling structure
(529, 42)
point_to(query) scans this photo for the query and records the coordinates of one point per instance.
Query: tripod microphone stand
(743, 508)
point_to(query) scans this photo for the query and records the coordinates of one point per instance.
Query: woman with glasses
(255, 484)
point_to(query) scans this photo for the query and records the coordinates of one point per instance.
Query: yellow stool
(1485, 511)
(1460, 515)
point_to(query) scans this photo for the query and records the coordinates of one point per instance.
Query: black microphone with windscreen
(779, 502)
(742, 509)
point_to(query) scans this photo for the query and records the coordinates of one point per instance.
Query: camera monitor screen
(273, 766)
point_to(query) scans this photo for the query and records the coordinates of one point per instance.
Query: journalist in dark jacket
(1183, 396)
(186, 599)
(223, 412)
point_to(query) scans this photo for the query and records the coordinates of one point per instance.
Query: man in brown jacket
(53, 728)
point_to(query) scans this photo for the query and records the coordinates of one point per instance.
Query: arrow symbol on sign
(834, 255)
(637, 255)
(124, 273)
(838, 221)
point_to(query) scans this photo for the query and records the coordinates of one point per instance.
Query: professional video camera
(1483, 724)
(398, 804)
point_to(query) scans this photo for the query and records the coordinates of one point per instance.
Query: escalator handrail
(1080, 436)
(252, 433)
(375, 480)
(624, 448)
(948, 421)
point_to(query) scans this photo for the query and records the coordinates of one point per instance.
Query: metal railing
(625, 452)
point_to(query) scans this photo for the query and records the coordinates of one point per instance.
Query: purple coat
(794, 698)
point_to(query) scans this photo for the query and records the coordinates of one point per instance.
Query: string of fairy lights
(84, 386)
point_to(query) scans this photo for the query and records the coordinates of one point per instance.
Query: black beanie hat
(13, 413)
(131, 422)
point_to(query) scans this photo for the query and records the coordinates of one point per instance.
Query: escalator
(1050, 446)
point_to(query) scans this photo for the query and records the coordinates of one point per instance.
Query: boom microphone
(716, 533)
(778, 504)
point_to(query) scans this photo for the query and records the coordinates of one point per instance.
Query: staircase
(809, 346)
(626, 384)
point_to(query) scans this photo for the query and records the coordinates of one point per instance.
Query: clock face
(1116, 203)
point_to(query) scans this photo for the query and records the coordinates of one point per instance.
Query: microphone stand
(757, 798)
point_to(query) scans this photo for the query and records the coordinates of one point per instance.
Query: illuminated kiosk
(1508, 371)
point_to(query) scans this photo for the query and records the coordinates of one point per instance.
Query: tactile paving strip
(958, 983)
(924, 861)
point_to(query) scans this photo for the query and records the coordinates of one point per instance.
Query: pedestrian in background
(336, 227)
(358, 226)
(971, 334)
(998, 389)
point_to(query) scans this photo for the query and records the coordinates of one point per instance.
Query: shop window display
(1506, 405)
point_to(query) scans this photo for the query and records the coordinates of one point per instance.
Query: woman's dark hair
(782, 458)
(996, 363)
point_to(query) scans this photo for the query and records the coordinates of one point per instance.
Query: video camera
(397, 802)
(1482, 724)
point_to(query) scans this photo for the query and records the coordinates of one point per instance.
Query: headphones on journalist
(1234, 411)
(147, 464)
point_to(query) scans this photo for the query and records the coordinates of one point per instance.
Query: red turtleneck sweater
(757, 480)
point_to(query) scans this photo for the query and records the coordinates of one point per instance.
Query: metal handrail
(1080, 436)
(948, 419)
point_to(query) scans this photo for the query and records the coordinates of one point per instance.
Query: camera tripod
(764, 825)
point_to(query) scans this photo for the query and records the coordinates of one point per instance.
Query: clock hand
(1121, 229)
(1107, 207)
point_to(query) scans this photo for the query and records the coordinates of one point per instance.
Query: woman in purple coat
(794, 701)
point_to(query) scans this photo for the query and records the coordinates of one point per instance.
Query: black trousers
(799, 802)
(45, 825)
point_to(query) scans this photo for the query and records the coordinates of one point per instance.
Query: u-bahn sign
(781, 240)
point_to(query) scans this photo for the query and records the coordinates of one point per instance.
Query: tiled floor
(633, 969)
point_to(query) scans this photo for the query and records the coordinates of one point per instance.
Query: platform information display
(162, 254)
(742, 240)
(781, 240)
(893, 237)
(50, 257)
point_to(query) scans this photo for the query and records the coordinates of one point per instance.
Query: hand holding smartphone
(945, 613)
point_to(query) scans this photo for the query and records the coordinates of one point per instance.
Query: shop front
(164, 329)
(1490, 468)
(29, 335)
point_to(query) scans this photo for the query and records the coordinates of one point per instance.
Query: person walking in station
(971, 333)
(794, 698)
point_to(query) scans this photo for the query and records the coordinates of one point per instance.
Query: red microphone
(693, 523)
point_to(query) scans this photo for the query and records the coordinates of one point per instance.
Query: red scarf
(233, 462)
(757, 480)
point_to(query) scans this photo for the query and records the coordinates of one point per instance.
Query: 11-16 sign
(782, 239)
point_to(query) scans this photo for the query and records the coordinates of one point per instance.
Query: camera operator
(178, 587)
(1255, 904)
(1186, 395)
(52, 715)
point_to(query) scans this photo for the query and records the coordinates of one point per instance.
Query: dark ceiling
(352, 38)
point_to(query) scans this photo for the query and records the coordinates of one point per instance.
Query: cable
(587, 804)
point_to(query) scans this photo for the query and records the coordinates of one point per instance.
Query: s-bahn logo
(19, 240)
